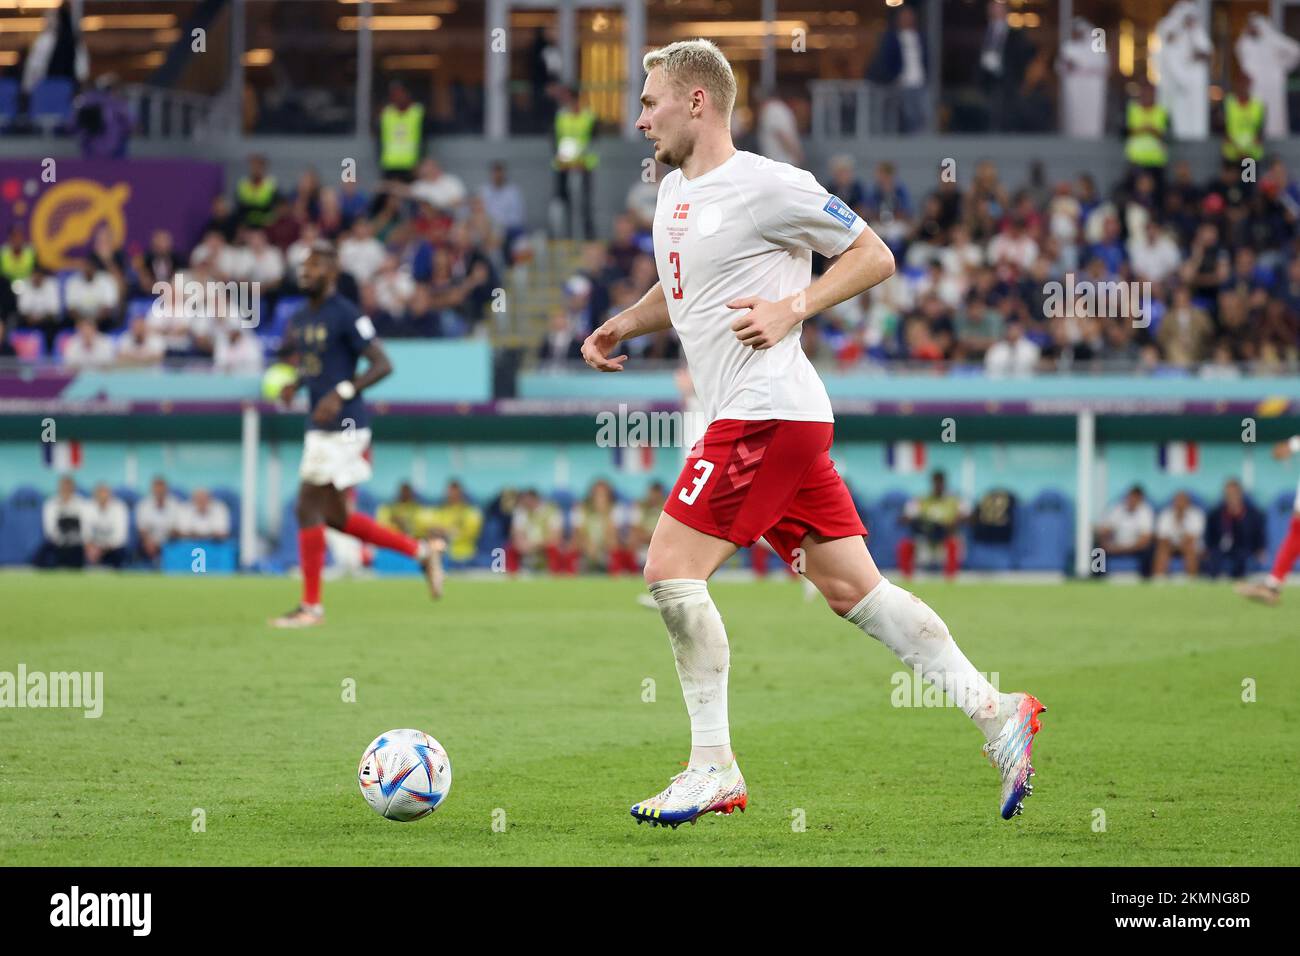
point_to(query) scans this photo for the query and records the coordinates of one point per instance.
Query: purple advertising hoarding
(63, 201)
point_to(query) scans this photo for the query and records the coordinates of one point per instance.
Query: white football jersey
(746, 228)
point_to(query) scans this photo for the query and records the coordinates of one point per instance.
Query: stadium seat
(51, 103)
(219, 557)
(885, 531)
(9, 93)
(29, 345)
(1044, 535)
(366, 501)
(285, 555)
(1277, 520)
(393, 563)
(23, 534)
(129, 497)
(284, 310)
(230, 499)
(993, 555)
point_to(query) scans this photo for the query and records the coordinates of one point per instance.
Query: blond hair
(697, 63)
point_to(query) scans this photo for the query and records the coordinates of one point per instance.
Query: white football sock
(703, 658)
(907, 626)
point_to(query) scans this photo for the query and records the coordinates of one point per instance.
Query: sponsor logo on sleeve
(838, 209)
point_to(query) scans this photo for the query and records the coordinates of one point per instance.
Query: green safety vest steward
(573, 132)
(17, 265)
(1147, 149)
(1243, 123)
(400, 136)
(257, 198)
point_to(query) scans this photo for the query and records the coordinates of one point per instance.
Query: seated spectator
(536, 536)
(442, 190)
(156, 264)
(1234, 534)
(203, 517)
(644, 517)
(600, 533)
(845, 184)
(92, 293)
(407, 513)
(105, 528)
(236, 350)
(1180, 530)
(157, 518)
(1186, 331)
(63, 522)
(1013, 354)
(89, 348)
(264, 262)
(1128, 528)
(39, 307)
(504, 204)
(393, 287)
(458, 522)
(140, 346)
(560, 345)
(361, 254)
(934, 521)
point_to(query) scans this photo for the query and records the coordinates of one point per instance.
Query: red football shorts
(769, 479)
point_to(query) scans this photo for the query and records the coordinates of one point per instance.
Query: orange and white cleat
(431, 563)
(1010, 752)
(1265, 592)
(301, 616)
(693, 793)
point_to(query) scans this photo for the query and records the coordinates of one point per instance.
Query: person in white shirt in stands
(778, 130)
(442, 190)
(91, 294)
(236, 350)
(140, 345)
(360, 253)
(1013, 354)
(1180, 530)
(38, 304)
(105, 528)
(1128, 528)
(264, 262)
(62, 521)
(298, 252)
(157, 516)
(89, 348)
(204, 517)
(1154, 255)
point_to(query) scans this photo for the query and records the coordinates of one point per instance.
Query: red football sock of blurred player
(951, 556)
(311, 557)
(372, 532)
(1288, 552)
(907, 557)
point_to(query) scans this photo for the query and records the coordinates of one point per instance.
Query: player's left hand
(327, 409)
(765, 324)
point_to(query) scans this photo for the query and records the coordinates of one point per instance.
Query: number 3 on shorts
(705, 468)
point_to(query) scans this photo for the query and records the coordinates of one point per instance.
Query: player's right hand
(596, 349)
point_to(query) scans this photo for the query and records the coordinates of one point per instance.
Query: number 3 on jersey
(705, 468)
(676, 259)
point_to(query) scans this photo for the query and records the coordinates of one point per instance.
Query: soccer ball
(404, 775)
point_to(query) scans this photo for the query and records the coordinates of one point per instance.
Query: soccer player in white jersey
(733, 237)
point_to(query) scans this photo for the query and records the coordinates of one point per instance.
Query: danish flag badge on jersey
(680, 211)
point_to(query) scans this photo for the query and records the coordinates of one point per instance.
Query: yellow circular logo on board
(67, 216)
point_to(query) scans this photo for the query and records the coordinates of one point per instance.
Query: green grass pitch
(536, 687)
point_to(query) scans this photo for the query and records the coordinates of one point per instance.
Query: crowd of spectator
(1163, 274)
(80, 531)
(422, 258)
